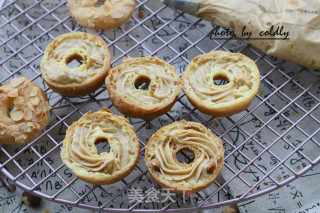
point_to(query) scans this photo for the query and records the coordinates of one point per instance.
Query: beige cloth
(298, 17)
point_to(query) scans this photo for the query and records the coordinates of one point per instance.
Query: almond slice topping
(35, 101)
(30, 106)
(34, 92)
(16, 82)
(13, 93)
(18, 100)
(27, 114)
(16, 115)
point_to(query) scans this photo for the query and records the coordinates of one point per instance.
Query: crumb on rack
(298, 166)
(215, 122)
(257, 123)
(46, 211)
(234, 43)
(265, 183)
(231, 209)
(279, 177)
(140, 14)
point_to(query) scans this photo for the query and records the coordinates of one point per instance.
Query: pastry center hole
(74, 61)
(185, 156)
(9, 110)
(142, 83)
(102, 145)
(100, 3)
(220, 80)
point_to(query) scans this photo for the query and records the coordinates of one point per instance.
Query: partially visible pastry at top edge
(112, 14)
(183, 177)
(89, 50)
(240, 72)
(80, 154)
(143, 87)
(29, 114)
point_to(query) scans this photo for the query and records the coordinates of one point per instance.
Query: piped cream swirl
(163, 150)
(84, 151)
(163, 83)
(203, 146)
(79, 147)
(144, 87)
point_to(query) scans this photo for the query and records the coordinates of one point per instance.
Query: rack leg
(7, 184)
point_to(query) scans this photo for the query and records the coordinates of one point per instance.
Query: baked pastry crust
(179, 177)
(111, 15)
(80, 154)
(29, 115)
(164, 87)
(240, 71)
(85, 78)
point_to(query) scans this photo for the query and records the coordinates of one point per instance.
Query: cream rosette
(80, 153)
(143, 87)
(169, 172)
(240, 73)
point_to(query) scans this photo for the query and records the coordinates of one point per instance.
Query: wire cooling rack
(268, 145)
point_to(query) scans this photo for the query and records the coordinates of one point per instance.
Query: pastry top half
(89, 50)
(161, 81)
(240, 73)
(111, 14)
(167, 142)
(29, 113)
(80, 154)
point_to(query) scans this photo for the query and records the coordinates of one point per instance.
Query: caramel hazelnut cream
(205, 150)
(299, 41)
(163, 83)
(84, 152)
(90, 52)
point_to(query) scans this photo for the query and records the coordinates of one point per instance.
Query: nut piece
(231, 209)
(16, 115)
(34, 92)
(20, 138)
(39, 116)
(140, 14)
(212, 166)
(16, 82)
(18, 100)
(13, 93)
(30, 199)
(27, 114)
(30, 106)
(35, 101)
(156, 164)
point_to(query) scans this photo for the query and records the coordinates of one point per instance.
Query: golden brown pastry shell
(76, 89)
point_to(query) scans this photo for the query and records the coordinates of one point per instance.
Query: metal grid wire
(289, 98)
